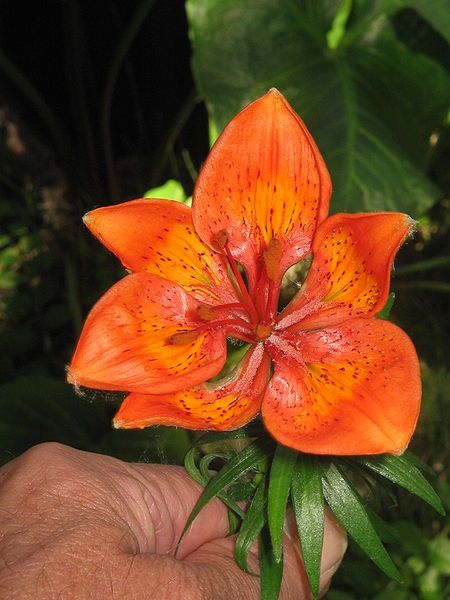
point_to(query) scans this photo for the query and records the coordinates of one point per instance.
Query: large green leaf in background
(370, 103)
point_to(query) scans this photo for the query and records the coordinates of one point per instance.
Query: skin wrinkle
(72, 550)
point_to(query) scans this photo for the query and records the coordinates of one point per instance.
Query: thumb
(214, 562)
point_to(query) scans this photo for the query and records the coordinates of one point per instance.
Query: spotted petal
(351, 389)
(264, 180)
(351, 269)
(137, 339)
(223, 405)
(158, 237)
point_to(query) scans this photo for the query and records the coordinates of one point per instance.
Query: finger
(170, 496)
(214, 563)
(204, 545)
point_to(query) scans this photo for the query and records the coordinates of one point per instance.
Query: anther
(206, 313)
(272, 257)
(221, 238)
(183, 338)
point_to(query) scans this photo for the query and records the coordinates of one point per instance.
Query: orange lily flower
(327, 376)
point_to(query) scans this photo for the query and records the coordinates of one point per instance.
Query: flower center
(263, 331)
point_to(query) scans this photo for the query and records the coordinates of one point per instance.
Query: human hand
(80, 525)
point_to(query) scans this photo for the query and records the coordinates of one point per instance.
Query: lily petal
(351, 269)
(223, 405)
(264, 180)
(158, 237)
(140, 337)
(357, 391)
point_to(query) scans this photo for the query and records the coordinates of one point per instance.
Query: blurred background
(102, 102)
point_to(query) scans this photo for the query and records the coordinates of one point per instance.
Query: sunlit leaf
(171, 190)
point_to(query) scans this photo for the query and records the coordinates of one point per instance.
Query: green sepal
(280, 478)
(401, 471)
(308, 504)
(349, 509)
(270, 570)
(251, 527)
(386, 310)
(238, 465)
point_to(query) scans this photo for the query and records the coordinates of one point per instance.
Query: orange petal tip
(88, 218)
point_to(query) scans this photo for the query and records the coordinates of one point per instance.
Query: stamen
(206, 313)
(272, 257)
(222, 241)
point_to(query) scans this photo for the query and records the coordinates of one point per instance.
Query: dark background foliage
(98, 103)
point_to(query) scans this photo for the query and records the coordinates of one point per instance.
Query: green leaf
(436, 12)
(350, 512)
(239, 492)
(280, 478)
(401, 471)
(206, 461)
(171, 190)
(202, 476)
(386, 100)
(271, 570)
(383, 529)
(240, 464)
(386, 310)
(251, 526)
(308, 504)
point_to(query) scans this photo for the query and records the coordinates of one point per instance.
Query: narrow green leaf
(386, 310)
(271, 570)
(202, 476)
(280, 478)
(240, 464)
(233, 522)
(251, 526)
(383, 529)
(308, 504)
(402, 472)
(414, 460)
(206, 461)
(350, 512)
(191, 466)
